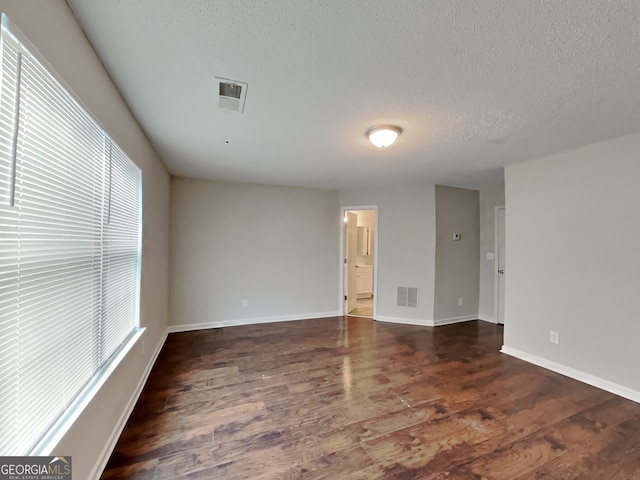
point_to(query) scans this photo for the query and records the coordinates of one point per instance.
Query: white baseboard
(406, 321)
(122, 421)
(449, 321)
(487, 318)
(251, 321)
(573, 373)
(427, 323)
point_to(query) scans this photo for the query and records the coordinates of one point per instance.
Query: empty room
(319, 240)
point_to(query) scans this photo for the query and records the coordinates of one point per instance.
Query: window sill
(73, 412)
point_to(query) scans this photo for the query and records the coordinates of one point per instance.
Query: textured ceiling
(475, 85)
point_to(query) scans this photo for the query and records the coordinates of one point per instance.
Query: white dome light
(384, 135)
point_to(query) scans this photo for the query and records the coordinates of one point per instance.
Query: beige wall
(489, 199)
(367, 218)
(456, 262)
(405, 243)
(51, 27)
(572, 230)
(277, 247)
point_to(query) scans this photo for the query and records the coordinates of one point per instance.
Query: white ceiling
(475, 85)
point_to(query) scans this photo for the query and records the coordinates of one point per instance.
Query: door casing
(342, 277)
(500, 250)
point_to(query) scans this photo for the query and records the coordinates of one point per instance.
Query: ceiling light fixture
(383, 135)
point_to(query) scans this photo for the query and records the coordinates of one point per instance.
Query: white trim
(496, 280)
(250, 321)
(341, 304)
(573, 373)
(427, 323)
(487, 318)
(406, 321)
(101, 463)
(450, 320)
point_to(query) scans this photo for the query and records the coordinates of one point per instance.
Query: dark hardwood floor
(349, 398)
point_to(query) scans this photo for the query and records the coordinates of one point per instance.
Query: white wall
(457, 265)
(405, 244)
(51, 27)
(277, 247)
(573, 254)
(489, 199)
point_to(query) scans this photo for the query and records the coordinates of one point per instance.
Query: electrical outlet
(554, 337)
(460, 301)
(245, 302)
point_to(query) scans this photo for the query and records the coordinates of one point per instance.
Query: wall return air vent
(407, 297)
(231, 94)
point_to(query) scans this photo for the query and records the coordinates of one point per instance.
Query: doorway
(500, 273)
(358, 257)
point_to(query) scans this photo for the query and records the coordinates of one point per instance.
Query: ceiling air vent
(231, 94)
(407, 297)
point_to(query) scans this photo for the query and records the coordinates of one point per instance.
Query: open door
(351, 252)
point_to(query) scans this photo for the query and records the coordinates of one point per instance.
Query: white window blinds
(70, 216)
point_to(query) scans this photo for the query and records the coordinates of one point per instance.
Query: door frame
(350, 240)
(341, 302)
(496, 288)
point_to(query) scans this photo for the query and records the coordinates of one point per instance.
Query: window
(70, 217)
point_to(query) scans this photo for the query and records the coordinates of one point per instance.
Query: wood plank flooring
(349, 398)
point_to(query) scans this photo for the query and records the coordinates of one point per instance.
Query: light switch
(490, 256)
(456, 237)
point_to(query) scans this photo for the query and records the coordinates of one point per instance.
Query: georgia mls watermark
(35, 468)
